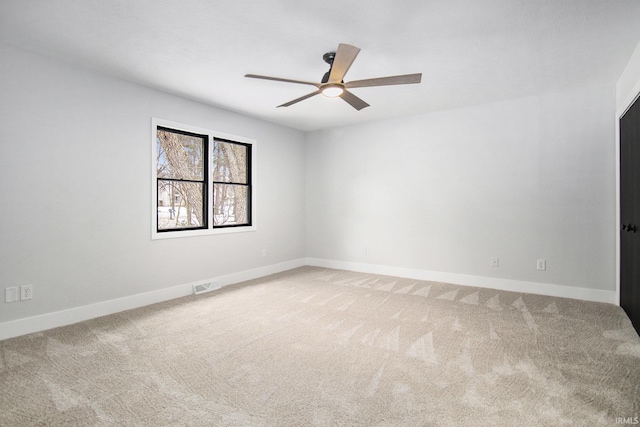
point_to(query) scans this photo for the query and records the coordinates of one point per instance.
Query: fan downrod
(328, 58)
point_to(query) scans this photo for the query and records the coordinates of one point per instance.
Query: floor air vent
(206, 287)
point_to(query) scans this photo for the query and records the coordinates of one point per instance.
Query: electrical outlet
(542, 264)
(495, 262)
(26, 292)
(11, 294)
(264, 253)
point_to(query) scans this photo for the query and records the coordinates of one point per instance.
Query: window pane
(230, 204)
(180, 156)
(180, 204)
(229, 162)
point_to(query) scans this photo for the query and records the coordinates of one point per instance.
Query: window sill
(194, 233)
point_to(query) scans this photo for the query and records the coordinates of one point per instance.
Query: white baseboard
(78, 314)
(562, 291)
(56, 319)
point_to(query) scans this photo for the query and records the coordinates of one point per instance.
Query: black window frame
(248, 185)
(204, 181)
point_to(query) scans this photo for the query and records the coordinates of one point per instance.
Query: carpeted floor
(314, 346)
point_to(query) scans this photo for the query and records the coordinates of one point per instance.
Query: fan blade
(278, 79)
(353, 100)
(345, 55)
(384, 81)
(302, 98)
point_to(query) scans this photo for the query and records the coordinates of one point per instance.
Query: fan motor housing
(329, 57)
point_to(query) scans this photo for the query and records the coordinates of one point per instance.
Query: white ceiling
(469, 51)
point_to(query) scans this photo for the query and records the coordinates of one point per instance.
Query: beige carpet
(314, 346)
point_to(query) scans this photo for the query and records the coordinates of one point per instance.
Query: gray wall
(75, 180)
(628, 86)
(445, 192)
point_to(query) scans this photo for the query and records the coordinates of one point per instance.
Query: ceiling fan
(332, 84)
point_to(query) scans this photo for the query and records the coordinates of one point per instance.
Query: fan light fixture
(332, 90)
(333, 85)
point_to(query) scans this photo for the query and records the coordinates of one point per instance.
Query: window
(231, 177)
(181, 179)
(202, 181)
